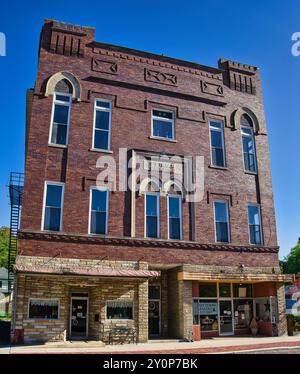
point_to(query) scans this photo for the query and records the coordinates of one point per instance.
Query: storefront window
(263, 309)
(43, 309)
(242, 290)
(119, 310)
(207, 289)
(205, 313)
(243, 313)
(224, 290)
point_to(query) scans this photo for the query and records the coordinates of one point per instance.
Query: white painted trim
(46, 183)
(87, 315)
(179, 197)
(90, 209)
(260, 227)
(172, 121)
(158, 213)
(62, 103)
(228, 220)
(102, 109)
(211, 128)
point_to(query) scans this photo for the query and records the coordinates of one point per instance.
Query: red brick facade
(136, 82)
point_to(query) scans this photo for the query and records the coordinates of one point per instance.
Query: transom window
(53, 201)
(98, 211)
(217, 143)
(248, 144)
(174, 216)
(254, 224)
(60, 119)
(163, 124)
(102, 125)
(221, 221)
(152, 215)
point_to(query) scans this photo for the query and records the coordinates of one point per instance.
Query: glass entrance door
(154, 310)
(79, 314)
(225, 317)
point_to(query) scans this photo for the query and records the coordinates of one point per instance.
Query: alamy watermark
(141, 173)
(296, 45)
(2, 44)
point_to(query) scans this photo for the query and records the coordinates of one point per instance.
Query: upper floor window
(221, 221)
(254, 222)
(248, 144)
(98, 211)
(163, 124)
(53, 203)
(152, 215)
(102, 125)
(174, 217)
(60, 119)
(217, 143)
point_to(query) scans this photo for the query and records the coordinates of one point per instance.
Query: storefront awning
(128, 273)
(251, 278)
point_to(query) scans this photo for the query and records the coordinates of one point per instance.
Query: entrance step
(75, 344)
(159, 340)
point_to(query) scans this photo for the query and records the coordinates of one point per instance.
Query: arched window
(60, 119)
(248, 144)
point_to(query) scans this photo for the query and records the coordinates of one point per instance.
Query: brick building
(95, 259)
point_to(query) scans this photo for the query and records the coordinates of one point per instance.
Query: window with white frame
(43, 309)
(53, 206)
(119, 309)
(98, 211)
(102, 125)
(163, 125)
(175, 216)
(248, 144)
(254, 221)
(152, 215)
(60, 119)
(221, 221)
(217, 143)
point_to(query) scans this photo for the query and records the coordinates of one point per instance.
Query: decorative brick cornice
(141, 242)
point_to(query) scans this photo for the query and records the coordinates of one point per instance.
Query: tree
(4, 243)
(293, 260)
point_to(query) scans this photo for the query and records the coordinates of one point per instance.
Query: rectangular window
(119, 309)
(242, 290)
(205, 313)
(163, 124)
(53, 203)
(60, 119)
(217, 143)
(98, 211)
(102, 125)
(174, 216)
(254, 224)
(207, 289)
(221, 221)
(43, 309)
(248, 149)
(152, 215)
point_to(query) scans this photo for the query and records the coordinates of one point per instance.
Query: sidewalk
(215, 345)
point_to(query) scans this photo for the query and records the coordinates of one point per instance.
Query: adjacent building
(148, 205)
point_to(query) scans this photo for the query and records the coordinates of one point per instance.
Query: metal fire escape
(16, 186)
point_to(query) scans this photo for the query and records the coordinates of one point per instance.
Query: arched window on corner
(61, 109)
(248, 144)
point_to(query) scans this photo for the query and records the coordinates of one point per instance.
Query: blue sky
(253, 32)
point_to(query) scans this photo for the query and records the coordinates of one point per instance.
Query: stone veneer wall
(99, 290)
(282, 322)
